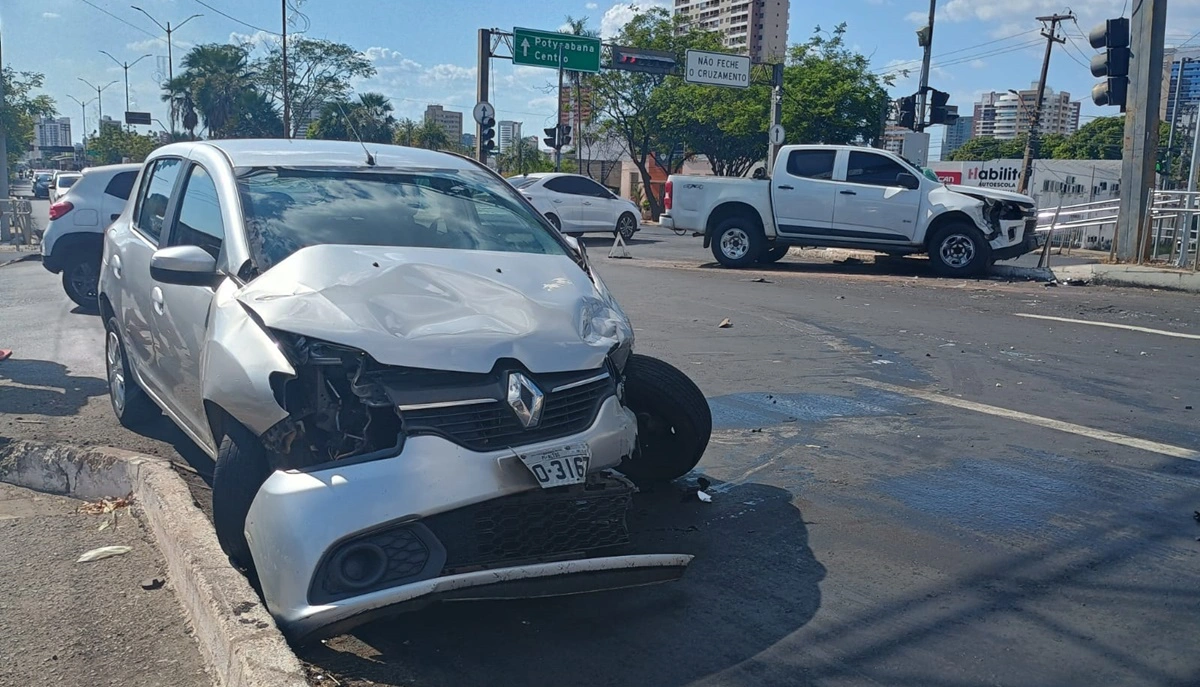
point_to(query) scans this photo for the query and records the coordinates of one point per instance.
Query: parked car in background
(851, 197)
(74, 238)
(41, 184)
(577, 205)
(62, 182)
(414, 388)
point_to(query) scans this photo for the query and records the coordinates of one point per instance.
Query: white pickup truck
(851, 197)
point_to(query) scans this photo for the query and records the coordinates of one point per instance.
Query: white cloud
(616, 17)
(159, 45)
(592, 6)
(50, 15)
(440, 74)
(258, 39)
(980, 64)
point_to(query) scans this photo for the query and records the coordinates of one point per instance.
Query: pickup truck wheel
(737, 242)
(959, 250)
(241, 469)
(773, 255)
(674, 421)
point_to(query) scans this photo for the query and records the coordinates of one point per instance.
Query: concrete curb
(238, 638)
(1018, 272)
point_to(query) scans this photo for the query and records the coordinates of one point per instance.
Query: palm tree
(178, 94)
(406, 132)
(578, 27)
(372, 116)
(432, 136)
(215, 80)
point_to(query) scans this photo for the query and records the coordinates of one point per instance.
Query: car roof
(69, 174)
(319, 153)
(112, 169)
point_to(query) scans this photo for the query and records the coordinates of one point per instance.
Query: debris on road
(850, 260)
(704, 497)
(5, 354)
(152, 583)
(725, 324)
(103, 552)
(760, 280)
(104, 506)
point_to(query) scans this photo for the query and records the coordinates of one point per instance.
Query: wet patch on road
(762, 409)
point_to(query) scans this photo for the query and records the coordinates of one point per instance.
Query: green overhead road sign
(540, 49)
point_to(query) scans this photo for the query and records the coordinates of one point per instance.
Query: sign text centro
(543, 49)
(717, 69)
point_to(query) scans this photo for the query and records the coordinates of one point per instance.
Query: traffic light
(487, 134)
(907, 117)
(939, 112)
(1113, 64)
(551, 139)
(642, 60)
(564, 135)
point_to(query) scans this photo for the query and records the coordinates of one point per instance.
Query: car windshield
(287, 209)
(43, 177)
(67, 181)
(522, 182)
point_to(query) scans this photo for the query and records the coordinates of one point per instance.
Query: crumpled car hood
(995, 193)
(432, 308)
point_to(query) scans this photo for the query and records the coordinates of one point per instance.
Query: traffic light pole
(923, 93)
(558, 116)
(1031, 141)
(1148, 31)
(481, 87)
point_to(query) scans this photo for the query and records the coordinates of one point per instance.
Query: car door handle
(848, 193)
(156, 297)
(556, 200)
(786, 188)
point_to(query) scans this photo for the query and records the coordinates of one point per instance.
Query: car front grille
(493, 425)
(534, 525)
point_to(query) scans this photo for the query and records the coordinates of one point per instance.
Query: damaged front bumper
(341, 543)
(1014, 239)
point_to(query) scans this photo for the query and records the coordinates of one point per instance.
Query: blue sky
(425, 51)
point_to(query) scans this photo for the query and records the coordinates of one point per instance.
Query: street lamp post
(82, 119)
(100, 104)
(170, 56)
(125, 66)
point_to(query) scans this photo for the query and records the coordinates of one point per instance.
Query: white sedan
(575, 204)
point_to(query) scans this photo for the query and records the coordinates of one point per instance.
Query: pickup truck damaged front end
(1008, 220)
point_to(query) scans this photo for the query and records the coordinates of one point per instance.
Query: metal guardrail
(18, 228)
(1067, 225)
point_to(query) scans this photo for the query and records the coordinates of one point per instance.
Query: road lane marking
(1130, 327)
(1069, 427)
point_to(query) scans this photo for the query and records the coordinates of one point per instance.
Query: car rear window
(67, 181)
(121, 185)
(522, 182)
(287, 209)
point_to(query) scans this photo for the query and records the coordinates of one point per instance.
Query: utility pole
(1031, 141)
(82, 120)
(1148, 29)
(3, 163)
(481, 87)
(558, 118)
(287, 118)
(776, 111)
(125, 66)
(922, 93)
(170, 55)
(100, 103)
(1174, 120)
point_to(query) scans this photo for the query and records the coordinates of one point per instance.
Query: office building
(954, 136)
(451, 122)
(53, 132)
(1181, 75)
(507, 132)
(1010, 114)
(754, 27)
(893, 138)
(467, 140)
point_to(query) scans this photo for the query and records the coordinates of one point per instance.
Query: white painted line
(1071, 428)
(1130, 327)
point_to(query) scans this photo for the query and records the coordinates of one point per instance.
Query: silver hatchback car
(413, 386)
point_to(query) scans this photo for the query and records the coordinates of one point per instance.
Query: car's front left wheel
(130, 404)
(242, 467)
(674, 420)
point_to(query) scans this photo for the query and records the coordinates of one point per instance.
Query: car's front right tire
(737, 242)
(241, 469)
(130, 404)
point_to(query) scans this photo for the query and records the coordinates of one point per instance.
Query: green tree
(1100, 139)
(432, 136)
(20, 110)
(406, 132)
(985, 148)
(726, 125)
(523, 157)
(830, 93)
(177, 93)
(114, 144)
(369, 118)
(319, 72)
(218, 76)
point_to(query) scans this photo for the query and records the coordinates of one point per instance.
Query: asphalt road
(916, 483)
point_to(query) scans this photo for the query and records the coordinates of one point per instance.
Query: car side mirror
(183, 265)
(908, 181)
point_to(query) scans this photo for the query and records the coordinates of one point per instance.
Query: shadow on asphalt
(594, 241)
(753, 582)
(162, 429)
(903, 267)
(46, 388)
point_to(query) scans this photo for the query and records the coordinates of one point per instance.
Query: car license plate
(559, 466)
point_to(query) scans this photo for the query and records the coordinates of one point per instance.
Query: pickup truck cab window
(811, 164)
(874, 170)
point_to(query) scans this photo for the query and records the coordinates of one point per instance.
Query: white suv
(74, 238)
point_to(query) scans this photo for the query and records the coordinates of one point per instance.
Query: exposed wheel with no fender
(959, 250)
(773, 255)
(130, 404)
(674, 420)
(241, 469)
(737, 242)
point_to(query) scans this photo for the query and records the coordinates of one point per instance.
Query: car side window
(155, 194)
(560, 185)
(199, 222)
(121, 185)
(593, 189)
(811, 164)
(876, 170)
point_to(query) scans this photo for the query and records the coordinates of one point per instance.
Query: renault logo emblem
(525, 399)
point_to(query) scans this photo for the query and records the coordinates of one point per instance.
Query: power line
(233, 18)
(1001, 51)
(990, 45)
(123, 21)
